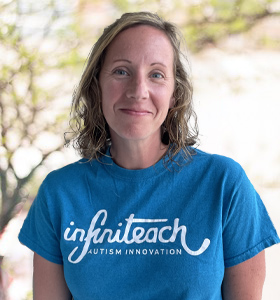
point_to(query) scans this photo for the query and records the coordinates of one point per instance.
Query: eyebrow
(159, 63)
(130, 62)
(122, 59)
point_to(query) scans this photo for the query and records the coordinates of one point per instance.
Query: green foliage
(212, 20)
(205, 21)
(30, 57)
(71, 59)
(237, 25)
(253, 7)
(223, 9)
(196, 12)
(122, 5)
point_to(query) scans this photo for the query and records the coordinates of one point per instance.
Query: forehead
(141, 40)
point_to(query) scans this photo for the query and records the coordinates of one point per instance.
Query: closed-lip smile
(135, 112)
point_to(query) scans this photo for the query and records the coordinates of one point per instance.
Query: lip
(135, 112)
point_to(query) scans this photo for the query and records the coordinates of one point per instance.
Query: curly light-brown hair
(90, 131)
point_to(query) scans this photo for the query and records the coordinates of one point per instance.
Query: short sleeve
(247, 228)
(38, 232)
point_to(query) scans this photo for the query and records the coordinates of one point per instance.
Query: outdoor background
(234, 53)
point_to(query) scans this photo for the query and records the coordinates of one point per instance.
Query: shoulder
(66, 184)
(70, 174)
(216, 160)
(77, 167)
(217, 165)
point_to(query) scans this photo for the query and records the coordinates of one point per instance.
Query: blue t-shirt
(163, 232)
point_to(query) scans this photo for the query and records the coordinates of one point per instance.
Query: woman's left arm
(245, 280)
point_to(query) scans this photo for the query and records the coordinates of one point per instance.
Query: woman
(144, 215)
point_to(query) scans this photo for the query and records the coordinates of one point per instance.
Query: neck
(137, 155)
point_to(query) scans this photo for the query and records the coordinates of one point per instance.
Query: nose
(137, 87)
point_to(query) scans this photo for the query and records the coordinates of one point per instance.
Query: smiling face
(137, 84)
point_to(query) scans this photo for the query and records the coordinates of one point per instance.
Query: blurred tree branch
(212, 20)
(205, 22)
(26, 103)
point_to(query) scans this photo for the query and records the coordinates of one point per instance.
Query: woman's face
(137, 84)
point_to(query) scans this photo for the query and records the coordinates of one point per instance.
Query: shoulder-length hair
(90, 131)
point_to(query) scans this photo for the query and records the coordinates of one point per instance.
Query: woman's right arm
(48, 281)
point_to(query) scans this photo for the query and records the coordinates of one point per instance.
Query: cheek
(105, 103)
(111, 91)
(106, 97)
(163, 97)
(111, 95)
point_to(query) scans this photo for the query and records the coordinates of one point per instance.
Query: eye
(157, 75)
(120, 72)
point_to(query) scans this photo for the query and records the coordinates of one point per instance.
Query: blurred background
(234, 52)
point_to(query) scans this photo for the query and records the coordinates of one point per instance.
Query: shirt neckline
(134, 175)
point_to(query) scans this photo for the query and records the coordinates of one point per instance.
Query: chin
(135, 135)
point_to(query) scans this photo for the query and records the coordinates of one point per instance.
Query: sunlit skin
(137, 84)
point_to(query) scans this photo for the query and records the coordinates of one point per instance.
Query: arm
(48, 281)
(245, 280)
